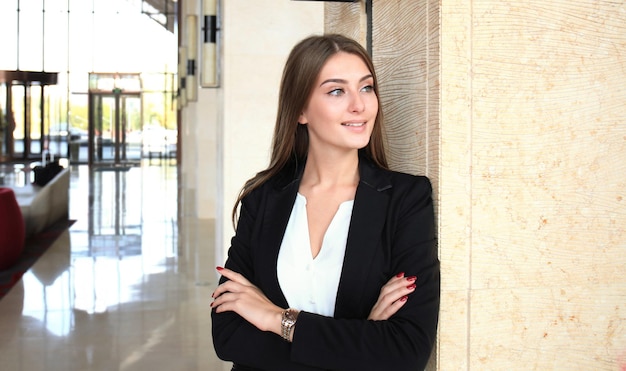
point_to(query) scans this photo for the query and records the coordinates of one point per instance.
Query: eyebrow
(342, 81)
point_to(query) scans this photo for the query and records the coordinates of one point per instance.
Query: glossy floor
(126, 288)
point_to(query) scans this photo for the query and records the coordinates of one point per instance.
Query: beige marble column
(516, 111)
(535, 91)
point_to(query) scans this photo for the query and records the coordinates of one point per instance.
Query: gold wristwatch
(289, 320)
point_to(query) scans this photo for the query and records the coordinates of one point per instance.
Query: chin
(360, 145)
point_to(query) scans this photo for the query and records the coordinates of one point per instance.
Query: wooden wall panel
(347, 19)
(405, 50)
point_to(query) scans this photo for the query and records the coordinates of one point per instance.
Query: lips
(353, 124)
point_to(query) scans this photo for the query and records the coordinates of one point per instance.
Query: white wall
(227, 133)
(258, 36)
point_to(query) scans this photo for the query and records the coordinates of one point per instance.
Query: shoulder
(410, 181)
(385, 180)
(282, 181)
(409, 191)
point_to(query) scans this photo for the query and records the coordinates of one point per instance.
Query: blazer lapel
(368, 219)
(275, 218)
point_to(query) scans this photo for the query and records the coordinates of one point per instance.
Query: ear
(302, 119)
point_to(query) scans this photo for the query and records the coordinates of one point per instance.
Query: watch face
(287, 323)
(289, 316)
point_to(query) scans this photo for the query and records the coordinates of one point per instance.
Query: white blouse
(311, 284)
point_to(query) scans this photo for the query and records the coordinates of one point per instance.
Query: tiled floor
(127, 288)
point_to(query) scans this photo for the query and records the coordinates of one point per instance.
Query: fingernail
(411, 287)
(211, 305)
(400, 274)
(404, 298)
(219, 268)
(411, 279)
(213, 295)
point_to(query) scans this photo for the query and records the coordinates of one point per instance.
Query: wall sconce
(182, 76)
(209, 75)
(192, 52)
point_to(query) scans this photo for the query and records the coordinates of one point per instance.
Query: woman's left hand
(392, 297)
(239, 295)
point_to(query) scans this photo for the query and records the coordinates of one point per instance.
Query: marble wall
(516, 110)
(533, 134)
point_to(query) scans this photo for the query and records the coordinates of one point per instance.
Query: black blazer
(392, 230)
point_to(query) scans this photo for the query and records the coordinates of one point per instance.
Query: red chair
(12, 231)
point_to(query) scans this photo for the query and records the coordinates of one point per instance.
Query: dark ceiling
(162, 11)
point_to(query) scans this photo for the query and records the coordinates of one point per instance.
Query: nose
(357, 104)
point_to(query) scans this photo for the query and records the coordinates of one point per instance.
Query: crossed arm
(238, 295)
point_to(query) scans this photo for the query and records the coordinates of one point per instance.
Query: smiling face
(342, 107)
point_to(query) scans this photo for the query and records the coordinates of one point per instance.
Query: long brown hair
(291, 140)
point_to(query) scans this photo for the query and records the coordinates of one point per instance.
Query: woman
(334, 264)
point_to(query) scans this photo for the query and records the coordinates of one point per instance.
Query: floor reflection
(129, 233)
(120, 290)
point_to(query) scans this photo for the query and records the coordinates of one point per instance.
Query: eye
(336, 92)
(368, 89)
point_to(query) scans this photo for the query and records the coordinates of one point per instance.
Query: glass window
(30, 36)
(56, 127)
(59, 6)
(4, 125)
(81, 6)
(55, 41)
(78, 123)
(8, 30)
(35, 119)
(81, 43)
(18, 119)
(110, 54)
(75, 38)
(108, 6)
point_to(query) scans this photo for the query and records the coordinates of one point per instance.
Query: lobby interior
(128, 285)
(514, 110)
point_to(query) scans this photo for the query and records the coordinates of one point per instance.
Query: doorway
(24, 115)
(115, 124)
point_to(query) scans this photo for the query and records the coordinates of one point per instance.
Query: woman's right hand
(239, 295)
(392, 297)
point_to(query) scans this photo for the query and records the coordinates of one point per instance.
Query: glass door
(23, 117)
(6, 123)
(114, 117)
(26, 113)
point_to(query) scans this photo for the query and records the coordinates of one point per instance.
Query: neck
(331, 170)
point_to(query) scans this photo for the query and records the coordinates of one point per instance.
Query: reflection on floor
(127, 288)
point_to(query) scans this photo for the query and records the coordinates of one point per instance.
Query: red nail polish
(411, 287)
(411, 279)
(400, 274)
(219, 268)
(211, 305)
(404, 298)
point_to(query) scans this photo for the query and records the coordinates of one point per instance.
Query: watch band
(288, 321)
